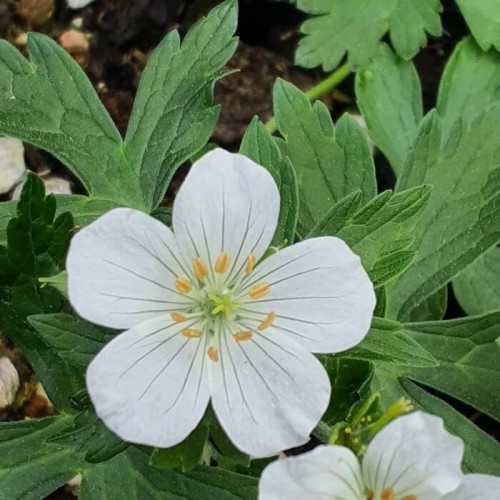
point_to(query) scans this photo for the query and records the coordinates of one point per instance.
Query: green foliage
(389, 96)
(389, 342)
(432, 308)
(483, 18)
(482, 451)
(49, 102)
(258, 144)
(356, 26)
(322, 157)
(36, 247)
(468, 359)
(173, 113)
(477, 288)
(380, 232)
(455, 229)
(470, 83)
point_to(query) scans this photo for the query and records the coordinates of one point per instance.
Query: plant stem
(319, 90)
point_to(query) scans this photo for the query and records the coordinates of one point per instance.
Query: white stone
(53, 185)
(78, 4)
(9, 382)
(12, 164)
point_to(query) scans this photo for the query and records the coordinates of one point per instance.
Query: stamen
(268, 321)
(260, 290)
(387, 494)
(178, 317)
(242, 336)
(410, 497)
(370, 495)
(200, 269)
(222, 263)
(191, 333)
(183, 285)
(213, 354)
(250, 264)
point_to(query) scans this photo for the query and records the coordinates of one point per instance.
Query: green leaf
(50, 103)
(477, 288)
(432, 308)
(75, 341)
(483, 18)
(409, 24)
(88, 435)
(389, 96)
(36, 246)
(382, 231)
(129, 475)
(228, 453)
(259, 145)
(347, 376)
(470, 83)
(173, 113)
(83, 209)
(468, 357)
(389, 342)
(185, 455)
(482, 452)
(461, 219)
(329, 163)
(32, 467)
(356, 26)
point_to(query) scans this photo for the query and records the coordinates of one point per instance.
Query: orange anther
(242, 336)
(178, 317)
(387, 494)
(222, 263)
(190, 333)
(250, 263)
(268, 321)
(213, 354)
(200, 269)
(183, 285)
(260, 290)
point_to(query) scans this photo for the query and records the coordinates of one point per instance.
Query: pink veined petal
(149, 384)
(122, 269)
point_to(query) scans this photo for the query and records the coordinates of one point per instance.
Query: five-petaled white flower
(412, 458)
(208, 320)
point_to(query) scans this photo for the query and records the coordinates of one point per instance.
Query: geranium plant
(283, 299)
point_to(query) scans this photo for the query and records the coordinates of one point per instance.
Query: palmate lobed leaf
(461, 220)
(468, 356)
(483, 18)
(25, 444)
(329, 162)
(477, 288)
(356, 26)
(50, 103)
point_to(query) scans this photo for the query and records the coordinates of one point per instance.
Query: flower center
(218, 302)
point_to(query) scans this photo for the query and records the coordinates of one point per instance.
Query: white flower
(207, 321)
(412, 458)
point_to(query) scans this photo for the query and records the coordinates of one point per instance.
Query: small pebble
(76, 44)
(78, 4)
(35, 12)
(53, 185)
(9, 382)
(12, 164)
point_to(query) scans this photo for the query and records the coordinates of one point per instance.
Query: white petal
(267, 396)
(149, 384)
(414, 455)
(476, 487)
(227, 203)
(327, 472)
(320, 293)
(122, 269)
